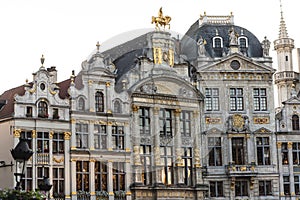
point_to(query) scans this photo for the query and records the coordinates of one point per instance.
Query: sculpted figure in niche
(233, 37)
(201, 46)
(266, 46)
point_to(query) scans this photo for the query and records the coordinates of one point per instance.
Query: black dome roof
(208, 31)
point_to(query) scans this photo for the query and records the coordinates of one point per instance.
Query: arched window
(217, 42)
(117, 107)
(295, 122)
(42, 109)
(99, 102)
(81, 104)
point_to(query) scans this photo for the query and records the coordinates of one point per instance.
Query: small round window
(235, 64)
(42, 86)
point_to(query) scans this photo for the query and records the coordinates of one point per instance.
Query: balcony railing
(241, 170)
(42, 158)
(285, 75)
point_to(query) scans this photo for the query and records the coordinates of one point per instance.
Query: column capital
(135, 108)
(51, 133)
(156, 110)
(33, 133)
(67, 135)
(17, 133)
(290, 145)
(107, 84)
(195, 113)
(279, 145)
(177, 112)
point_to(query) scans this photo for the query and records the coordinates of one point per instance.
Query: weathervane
(161, 20)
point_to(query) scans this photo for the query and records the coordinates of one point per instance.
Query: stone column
(73, 134)
(73, 179)
(67, 165)
(91, 135)
(178, 149)
(157, 162)
(197, 152)
(136, 146)
(108, 98)
(291, 168)
(91, 96)
(109, 137)
(250, 148)
(110, 180)
(92, 179)
(34, 157)
(128, 179)
(280, 169)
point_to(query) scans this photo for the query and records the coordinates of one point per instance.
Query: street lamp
(21, 154)
(45, 185)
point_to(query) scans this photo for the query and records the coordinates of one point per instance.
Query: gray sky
(66, 31)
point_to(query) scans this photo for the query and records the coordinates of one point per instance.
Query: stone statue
(266, 46)
(233, 36)
(201, 46)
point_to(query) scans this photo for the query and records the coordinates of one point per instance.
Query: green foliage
(12, 194)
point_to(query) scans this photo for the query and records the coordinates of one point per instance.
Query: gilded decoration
(17, 133)
(52, 92)
(261, 120)
(60, 160)
(290, 145)
(161, 20)
(237, 123)
(171, 57)
(67, 135)
(210, 120)
(107, 84)
(279, 145)
(135, 108)
(157, 55)
(156, 110)
(51, 134)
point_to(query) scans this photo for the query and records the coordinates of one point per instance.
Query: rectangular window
(260, 99)
(236, 99)
(58, 183)
(144, 116)
(146, 155)
(101, 174)
(82, 176)
(263, 150)
(215, 151)
(118, 176)
(185, 123)
(297, 184)
(58, 143)
(167, 159)
(284, 154)
(28, 136)
(82, 136)
(212, 99)
(165, 122)
(100, 136)
(41, 173)
(296, 153)
(42, 142)
(286, 185)
(27, 180)
(55, 113)
(241, 188)
(238, 155)
(187, 158)
(118, 137)
(265, 188)
(28, 111)
(216, 189)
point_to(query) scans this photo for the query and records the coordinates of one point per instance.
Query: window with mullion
(100, 136)
(27, 180)
(216, 189)
(27, 135)
(144, 117)
(295, 122)
(187, 158)
(146, 160)
(215, 151)
(58, 143)
(42, 142)
(265, 188)
(167, 160)
(297, 184)
(82, 136)
(284, 154)
(185, 123)
(263, 151)
(260, 99)
(99, 101)
(241, 188)
(165, 122)
(238, 154)
(101, 174)
(212, 99)
(58, 182)
(118, 137)
(82, 176)
(286, 185)
(236, 99)
(118, 176)
(41, 173)
(42, 109)
(296, 153)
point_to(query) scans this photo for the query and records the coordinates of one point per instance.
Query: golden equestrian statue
(161, 20)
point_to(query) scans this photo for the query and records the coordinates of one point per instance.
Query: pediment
(292, 100)
(262, 131)
(236, 63)
(214, 131)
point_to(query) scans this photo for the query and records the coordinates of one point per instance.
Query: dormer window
(117, 107)
(99, 102)
(81, 104)
(217, 42)
(42, 109)
(295, 122)
(243, 44)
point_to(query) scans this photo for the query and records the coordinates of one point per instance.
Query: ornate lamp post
(21, 154)
(45, 185)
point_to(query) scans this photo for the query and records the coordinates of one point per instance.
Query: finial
(217, 32)
(98, 46)
(42, 60)
(242, 31)
(72, 76)
(26, 80)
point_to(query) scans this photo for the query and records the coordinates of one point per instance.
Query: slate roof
(208, 31)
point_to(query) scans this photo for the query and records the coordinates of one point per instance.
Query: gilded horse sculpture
(161, 20)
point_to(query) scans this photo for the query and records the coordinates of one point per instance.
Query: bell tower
(285, 77)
